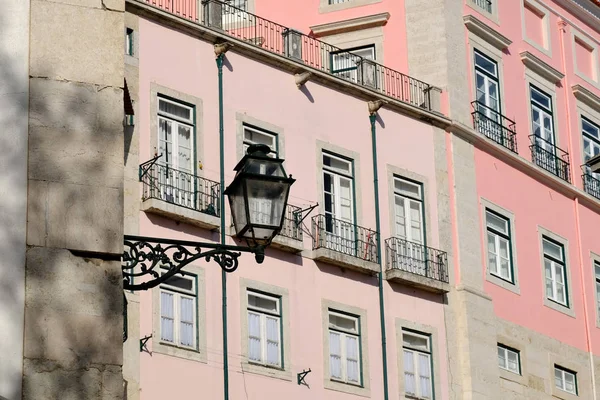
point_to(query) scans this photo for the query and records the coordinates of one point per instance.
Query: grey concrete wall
(14, 95)
(74, 298)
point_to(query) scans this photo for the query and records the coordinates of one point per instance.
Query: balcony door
(591, 148)
(408, 207)
(543, 129)
(338, 188)
(487, 95)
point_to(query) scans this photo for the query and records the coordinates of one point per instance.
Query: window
(487, 85)
(175, 130)
(264, 329)
(542, 119)
(337, 1)
(408, 217)
(499, 245)
(554, 265)
(565, 380)
(254, 135)
(344, 63)
(485, 5)
(178, 311)
(338, 191)
(129, 41)
(417, 364)
(344, 348)
(597, 275)
(509, 359)
(591, 142)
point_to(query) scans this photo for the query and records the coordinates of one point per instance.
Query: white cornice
(348, 25)
(581, 13)
(541, 68)
(586, 97)
(485, 32)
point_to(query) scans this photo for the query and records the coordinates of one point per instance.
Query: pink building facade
(487, 251)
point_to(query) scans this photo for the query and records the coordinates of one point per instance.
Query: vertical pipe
(222, 210)
(372, 119)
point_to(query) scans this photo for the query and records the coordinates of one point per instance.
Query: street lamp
(258, 198)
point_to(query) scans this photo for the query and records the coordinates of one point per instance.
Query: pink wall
(533, 202)
(315, 113)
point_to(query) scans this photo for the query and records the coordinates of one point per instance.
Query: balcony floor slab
(181, 214)
(346, 261)
(418, 281)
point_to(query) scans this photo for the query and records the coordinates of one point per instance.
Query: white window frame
(560, 381)
(406, 199)
(498, 236)
(274, 146)
(179, 293)
(337, 176)
(596, 267)
(176, 121)
(593, 141)
(507, 351)
(263, 315)
(129, 42)
(543, 111)
(488, 77)
(343, 334)
(415, 356)
(554, 263)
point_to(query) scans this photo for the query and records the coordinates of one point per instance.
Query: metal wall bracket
(300, 215)
(145, 166)
(143, 343)
(301, 376)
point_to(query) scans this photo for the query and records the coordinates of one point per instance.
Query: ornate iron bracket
(300, 215)
(143, 343)
(147, 262)
(145, 166)
(301, 376)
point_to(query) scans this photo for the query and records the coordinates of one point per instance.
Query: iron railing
(292, 227)
(416, 259)
(484, 4)
(549, 157)
(294, 45)
(591, 184)
(494, 126)
(344, 237)
(181, 188)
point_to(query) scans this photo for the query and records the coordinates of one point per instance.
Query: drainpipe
(220, 50)
(562, 31)
(374, 106)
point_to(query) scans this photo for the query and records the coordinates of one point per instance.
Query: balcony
(416, 265)
(181, 196)
(591, 184)
(291, 237)
(549, 157)
(312, 53)
(494, 126)
(344, 244)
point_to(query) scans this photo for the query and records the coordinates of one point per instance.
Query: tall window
(499, 245)
(338, 188)
(597, 274)
(254, 135)
(542, 119)
(591, 140)
(565, 380)
(344, 348)
(408, 210)
(509, 359)
(129, 41)
(417, 364)
(264, 329)
(344, 63)
(555, 267)
(178, 305)
(487, 86)
(175, 134)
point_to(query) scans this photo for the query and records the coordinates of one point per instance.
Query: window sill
(272, 372)
(346, 261)
(347, 388)
(179, 352)
(512, 376)
(503, 283)
(181, 214)
(418, 281)
(561, 394)
(559, 307)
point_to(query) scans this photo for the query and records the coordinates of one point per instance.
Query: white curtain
(273, 341)
(352, 359)
(167, 317)
(335, 355)
(425, 375)
(409, 373)
(187, 322)
(254, 337)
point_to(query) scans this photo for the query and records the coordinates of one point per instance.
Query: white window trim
(325, 7)
(285, 372)
(564, 372)
(585, 111)
(506, 367)
(572, 360)
(578, 35)
(532, 78)
(515, 286)
(263, 314)
(133, 59)
(415, 353)
(520, 344)
(553, 275)
(595, 258)
(545, 47)
(343, 350)
(176, 122)
(439, 364)
(493, 16)
(360, 38)
(330, 384)
(158, 346)
(570, 310)
(242, 119)
(407, 223)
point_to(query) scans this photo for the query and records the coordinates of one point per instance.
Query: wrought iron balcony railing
(181, 188)
(591, 184)
(313, 53)
(484, 4)
(292, 228)
(416, 259)
(549, 157)
(494, 126)
(344, 237)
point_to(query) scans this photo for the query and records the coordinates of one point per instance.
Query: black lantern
(258, 196)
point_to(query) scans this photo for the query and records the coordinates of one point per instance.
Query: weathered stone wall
(74, 298)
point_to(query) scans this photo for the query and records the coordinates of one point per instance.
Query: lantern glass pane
(264, 167)
(266, 202)
(237, 204)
